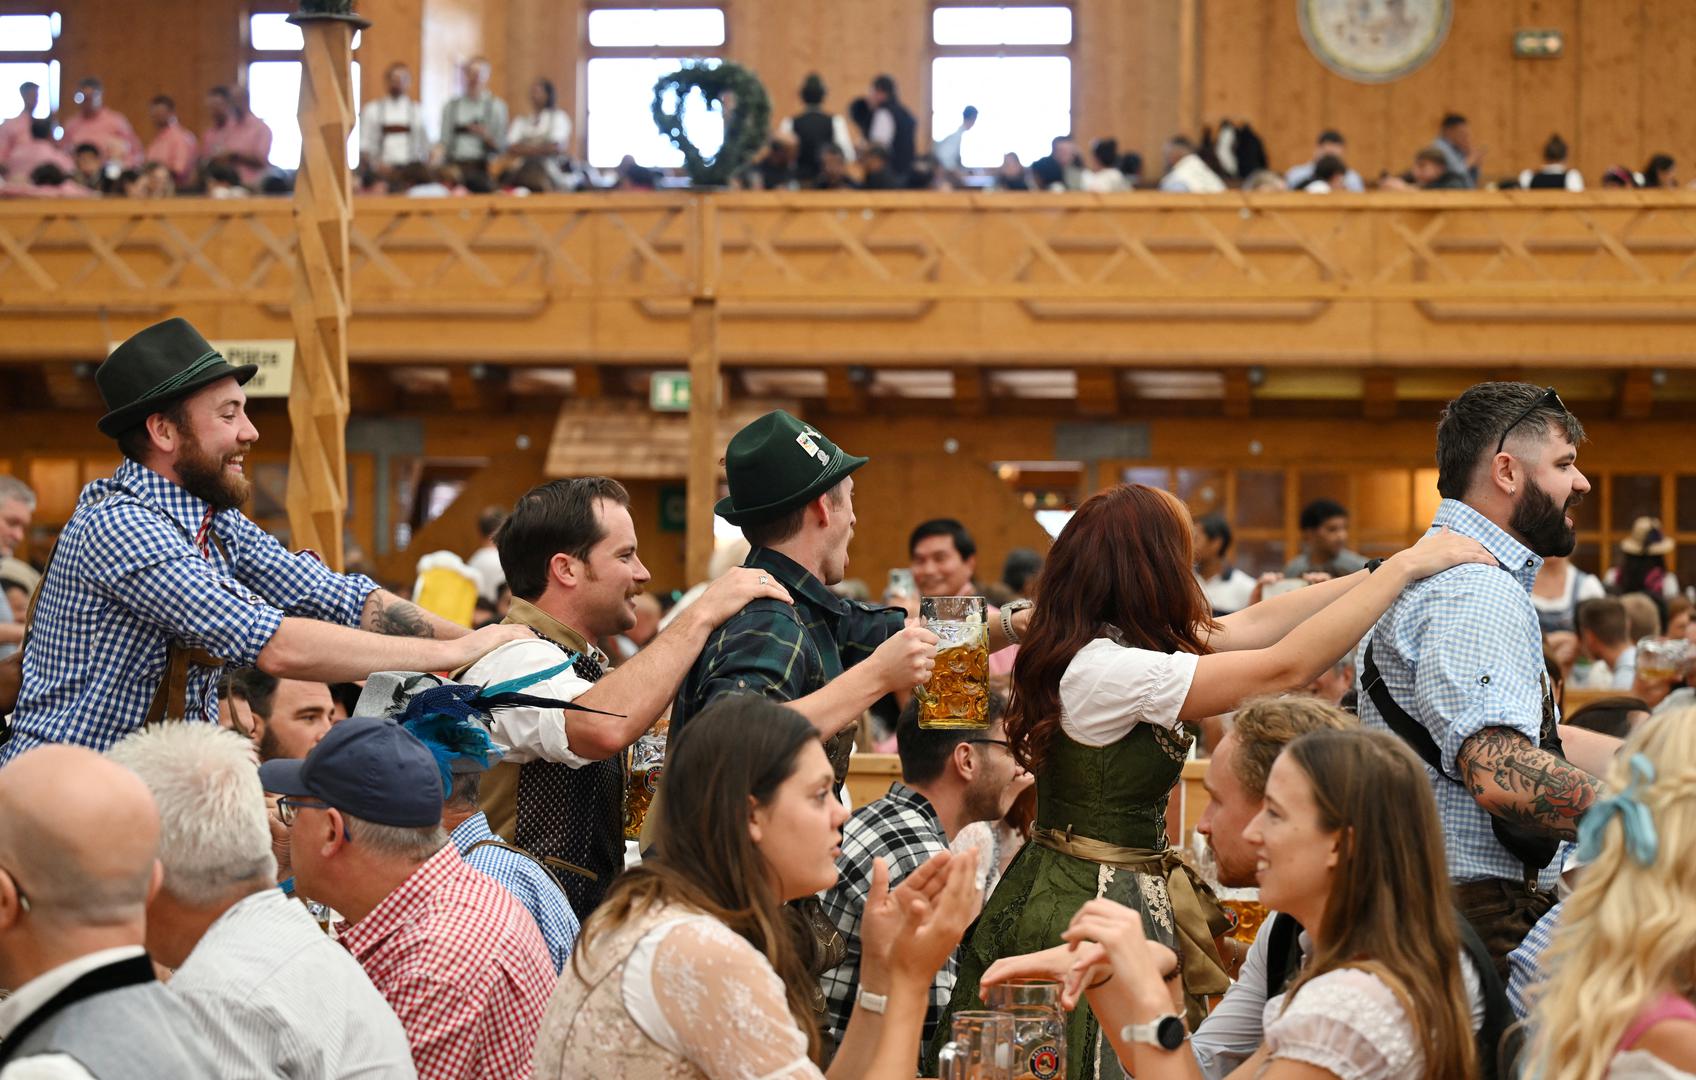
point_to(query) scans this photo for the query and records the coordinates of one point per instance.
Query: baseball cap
(369, 767)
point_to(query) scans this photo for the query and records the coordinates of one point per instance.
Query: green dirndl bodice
(1115, 794)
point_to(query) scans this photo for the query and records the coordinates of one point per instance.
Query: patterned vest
(554, 811)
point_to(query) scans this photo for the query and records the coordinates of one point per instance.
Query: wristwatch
(1007, 613)
(1166, 1032)
(873, 1003)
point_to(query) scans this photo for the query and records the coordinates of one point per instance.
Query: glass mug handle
(950, 1062)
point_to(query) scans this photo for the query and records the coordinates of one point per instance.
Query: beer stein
(1662, 658)
(980, 1047)
(646, 759)
(1039, 1026)
(957, 695)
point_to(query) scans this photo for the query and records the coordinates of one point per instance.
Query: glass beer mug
(646, 759)
(1039, 1026)
(980, 1047)
(957, 695)
(1662, 658)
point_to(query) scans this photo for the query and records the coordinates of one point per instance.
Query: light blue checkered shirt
(525, 879)
(126, 579)
(1461, 651)
(1525, 963)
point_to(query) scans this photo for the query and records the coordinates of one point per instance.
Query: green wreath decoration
(744, 128)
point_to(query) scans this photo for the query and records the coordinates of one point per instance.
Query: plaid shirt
(1462, 651)
(127, 578)
(525, 879)
(463, 966)
(781, 651)
(903, 828)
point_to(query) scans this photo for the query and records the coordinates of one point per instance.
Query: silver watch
(1007, 613)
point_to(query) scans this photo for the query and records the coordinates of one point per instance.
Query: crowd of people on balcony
(481, 147)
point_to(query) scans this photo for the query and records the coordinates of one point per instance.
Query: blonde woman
(1620, 1003)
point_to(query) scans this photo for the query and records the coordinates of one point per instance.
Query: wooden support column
(323, 211)
(1378, 395)
(844, 392)
(704, 451)
(1099, 391)
(971, 391)
(1239, 394)
(1636, 394)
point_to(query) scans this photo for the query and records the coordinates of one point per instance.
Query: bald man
(79, 846)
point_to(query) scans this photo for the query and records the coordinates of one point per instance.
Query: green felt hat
(777, 464)
(166, 362)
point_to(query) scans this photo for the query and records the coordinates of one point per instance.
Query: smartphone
(901, 583)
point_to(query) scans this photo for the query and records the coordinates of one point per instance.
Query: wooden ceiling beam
(971, 391)
(1100, 391)
(1636, 394)
(1378, 395)
(845, 392)
(1239, 394)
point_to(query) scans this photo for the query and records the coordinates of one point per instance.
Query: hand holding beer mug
(1039, 1026)
(957, 695)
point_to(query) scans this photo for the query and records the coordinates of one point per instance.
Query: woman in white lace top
(1620, 1000)
(690, 970)
(1348, 843)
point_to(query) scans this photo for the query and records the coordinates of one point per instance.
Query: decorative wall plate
(1374, 41)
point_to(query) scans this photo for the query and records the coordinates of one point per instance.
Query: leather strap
(544, 862)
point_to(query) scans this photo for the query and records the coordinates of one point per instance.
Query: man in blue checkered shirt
(949, 779)
(158, 580)
(1461, 652)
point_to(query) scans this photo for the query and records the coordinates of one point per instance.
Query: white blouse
(699, 990)
(1347, 1022)
(551, 126)
(1109, 688)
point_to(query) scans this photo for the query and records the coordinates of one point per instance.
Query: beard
(203, 475)
(1542, 522)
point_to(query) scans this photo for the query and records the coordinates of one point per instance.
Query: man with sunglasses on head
(1455, 667)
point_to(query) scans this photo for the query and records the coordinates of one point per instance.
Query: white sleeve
(531, 734)
(699, 990)
(1574, 180)
(370, 136)
(517, 131)
(46, 1067)
(844, 141)
(883, 128)
(1589, 586)
(1108, 689)
(1231, 1033)
(559, 128)
(1349, 1023)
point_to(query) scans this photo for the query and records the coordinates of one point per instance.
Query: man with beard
(1455, 667)
(158, 580)
(289, 716)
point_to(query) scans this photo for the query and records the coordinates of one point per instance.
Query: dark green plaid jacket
(783, 652)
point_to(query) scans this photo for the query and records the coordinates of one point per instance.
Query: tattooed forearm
(387, 614)
(1522, 784)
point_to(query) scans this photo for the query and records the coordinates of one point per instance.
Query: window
(273, 86)
(27, 43)
(1013, 64)
(630, 49)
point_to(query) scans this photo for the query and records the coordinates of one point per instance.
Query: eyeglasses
(1003, 743)
(1550, 399)
(289, 807)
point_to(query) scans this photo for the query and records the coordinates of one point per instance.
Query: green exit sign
(669, 391)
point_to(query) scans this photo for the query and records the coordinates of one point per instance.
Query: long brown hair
(1390, 911)
(1124, 560)
(739, 748)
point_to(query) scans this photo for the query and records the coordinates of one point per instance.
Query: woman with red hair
(1120, 659)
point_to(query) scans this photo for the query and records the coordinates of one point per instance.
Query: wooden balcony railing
(889, 279)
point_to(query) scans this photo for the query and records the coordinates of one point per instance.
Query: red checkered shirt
(464, 967)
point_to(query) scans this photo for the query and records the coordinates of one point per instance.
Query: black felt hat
(164, 363)
(776, 464)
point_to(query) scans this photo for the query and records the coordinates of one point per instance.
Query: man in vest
(569, 553)
(158, 581)
(79, 844)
